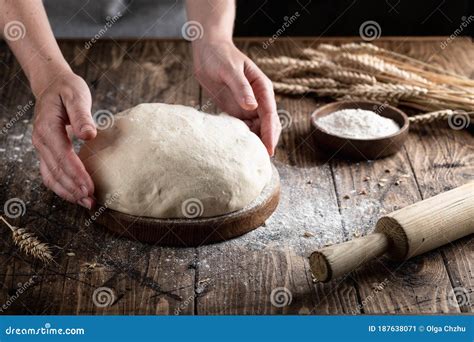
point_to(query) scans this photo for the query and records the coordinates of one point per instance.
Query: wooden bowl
(199, 231)
(361, 148)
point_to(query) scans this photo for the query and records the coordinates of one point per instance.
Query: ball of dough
(173, 161)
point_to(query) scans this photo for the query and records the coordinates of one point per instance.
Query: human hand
(62, 101)
(238, 87)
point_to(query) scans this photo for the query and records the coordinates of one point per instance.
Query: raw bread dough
(172, 161)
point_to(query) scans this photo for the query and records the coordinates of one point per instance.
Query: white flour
(358, 124)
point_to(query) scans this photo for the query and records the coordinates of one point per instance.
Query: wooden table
(322, 202)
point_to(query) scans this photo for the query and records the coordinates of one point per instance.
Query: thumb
(80, 117)
(240, 88)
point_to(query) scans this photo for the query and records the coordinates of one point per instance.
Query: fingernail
(84, 190)
(271, 151)
(86, 128)
(85, 202)
(250, 100)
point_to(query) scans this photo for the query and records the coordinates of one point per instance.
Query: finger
(224, 99)
(61, 177)
(241, 90)
(78, 108)
(51, 183)
(270, 126)
(62, 152)
(70, 132)
(254, 125)
(51, 141)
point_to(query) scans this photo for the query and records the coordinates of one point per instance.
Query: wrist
(213, 37)
(210, 43)
(43, 75)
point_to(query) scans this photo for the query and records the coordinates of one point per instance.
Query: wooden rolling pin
(405, 233)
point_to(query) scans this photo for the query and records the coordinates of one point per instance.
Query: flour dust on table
(172, 161)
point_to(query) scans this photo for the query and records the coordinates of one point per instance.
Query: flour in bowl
(358, 124)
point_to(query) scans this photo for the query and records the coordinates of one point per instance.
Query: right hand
(65, 100)
(238, 87)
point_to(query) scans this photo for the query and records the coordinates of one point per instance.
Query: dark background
(344, 17)
(165, 18)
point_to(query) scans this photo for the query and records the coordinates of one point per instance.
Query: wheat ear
(290, 89)
(312, 82)
(437, 116)
(29, 243)
(376, 66)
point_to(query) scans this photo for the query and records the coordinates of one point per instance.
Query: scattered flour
(358, 124)
(303, 226)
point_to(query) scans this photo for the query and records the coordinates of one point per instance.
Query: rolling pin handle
(336, 260)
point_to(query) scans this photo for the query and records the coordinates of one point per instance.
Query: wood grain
(420, 285)
(323, 201)
(441, 164)
(256, 274)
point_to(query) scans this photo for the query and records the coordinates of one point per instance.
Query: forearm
(37, 52)
(215, 16)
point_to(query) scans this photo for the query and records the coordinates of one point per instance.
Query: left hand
(238, 87)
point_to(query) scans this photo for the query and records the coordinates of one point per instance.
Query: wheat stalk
(312, 82)
(377, 66)
(438, 115)
(283, 67)
(351, 77)
(313, 54)
(392, 56)
(407, 63)
(349, 47)
(29, 243)
(291, 89)
(388, 91)
(395, 94)
(361, 71)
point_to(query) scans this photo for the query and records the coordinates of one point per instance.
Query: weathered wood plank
(125, 74)
(238, 276)
(441, 164)
(387, 287)
(419, 285)
(18, 183)
(143, 279)
(243, 273)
